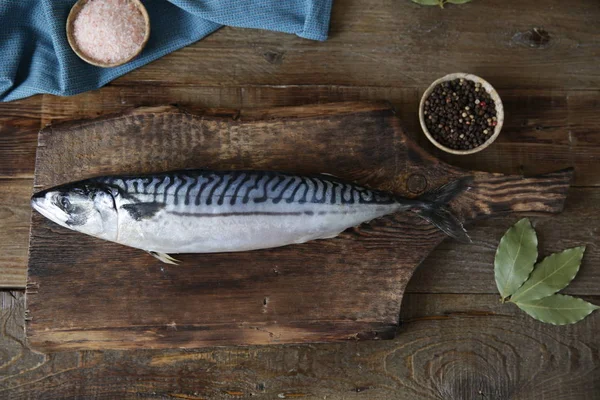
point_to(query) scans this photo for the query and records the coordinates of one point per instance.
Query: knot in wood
(416, 183)
(274, 57)
(536, 38)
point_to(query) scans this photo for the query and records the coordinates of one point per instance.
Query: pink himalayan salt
(109, 31)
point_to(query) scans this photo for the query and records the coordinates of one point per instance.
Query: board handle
(499, 193)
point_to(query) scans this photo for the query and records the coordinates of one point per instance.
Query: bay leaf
(457, 1)
(554, 273)
(515, 257)
(427, 2)
(557, 309)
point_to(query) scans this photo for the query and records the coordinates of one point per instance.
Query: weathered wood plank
(14, 231)
(384, 43)
(113, 99)
(455, 347)
(543, 131)
(19, 125)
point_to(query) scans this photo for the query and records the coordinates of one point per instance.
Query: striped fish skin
(202, 211)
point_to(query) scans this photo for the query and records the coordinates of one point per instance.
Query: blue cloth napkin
(36, 56)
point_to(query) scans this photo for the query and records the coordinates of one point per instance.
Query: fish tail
(433, 207)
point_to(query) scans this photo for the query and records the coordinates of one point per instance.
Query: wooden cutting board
(86, 293)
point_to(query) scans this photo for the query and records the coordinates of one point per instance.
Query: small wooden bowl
(71, 18)
(493, 94)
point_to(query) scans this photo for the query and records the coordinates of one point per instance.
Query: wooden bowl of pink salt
(108, 33)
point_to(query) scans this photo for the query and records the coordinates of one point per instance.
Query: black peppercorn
(460, 114)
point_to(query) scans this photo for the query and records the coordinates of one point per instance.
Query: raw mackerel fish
(202, 211)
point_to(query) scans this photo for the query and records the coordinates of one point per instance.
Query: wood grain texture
(19, 125)
(14, 220)
(543, 130)
(383, 43)
(451, 347)
(346, 288)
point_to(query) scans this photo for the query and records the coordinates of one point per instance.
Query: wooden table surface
(456, 341)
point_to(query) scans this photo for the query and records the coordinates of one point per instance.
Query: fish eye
(65, 203)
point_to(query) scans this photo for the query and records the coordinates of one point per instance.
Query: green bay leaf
(557, 309)
(427, 2)
(457, 1)
(554, 273)
(515, 257)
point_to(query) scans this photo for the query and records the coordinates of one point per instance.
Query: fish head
(84, 206)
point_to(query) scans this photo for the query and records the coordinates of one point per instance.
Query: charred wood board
(85, 293)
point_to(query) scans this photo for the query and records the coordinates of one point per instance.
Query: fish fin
(328, 235)
(445, 193)
(164, 257)
(445, 221)
(331, 235)
(434, 209)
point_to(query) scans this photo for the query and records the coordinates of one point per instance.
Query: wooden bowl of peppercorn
(461, 113)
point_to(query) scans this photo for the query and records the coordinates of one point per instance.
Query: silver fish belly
(201, 211)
